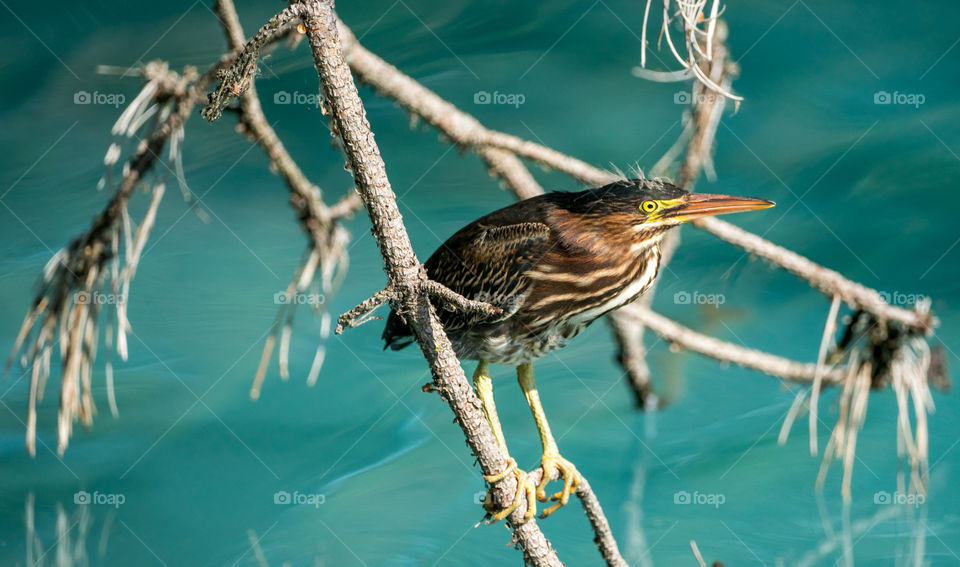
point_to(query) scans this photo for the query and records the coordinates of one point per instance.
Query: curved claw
(522, 484)
(563, 469)
(495, 478)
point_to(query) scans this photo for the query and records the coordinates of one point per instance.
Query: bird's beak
(695, 205)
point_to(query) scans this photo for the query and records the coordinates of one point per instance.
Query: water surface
(866, 189)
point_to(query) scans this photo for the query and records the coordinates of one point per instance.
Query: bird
(552, 264)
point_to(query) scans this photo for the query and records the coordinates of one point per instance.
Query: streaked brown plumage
(554, 264)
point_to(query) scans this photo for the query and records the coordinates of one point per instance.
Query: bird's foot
(555, 466)
(522, 485)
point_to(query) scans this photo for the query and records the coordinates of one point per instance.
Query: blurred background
(862, 186)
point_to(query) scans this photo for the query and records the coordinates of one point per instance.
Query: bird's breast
(577, 296)
(561, 302)
(626, 294)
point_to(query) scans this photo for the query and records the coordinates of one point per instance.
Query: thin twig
(361, 313)
(829, 330)
(696, 554)
(603, 535)
(454, 301)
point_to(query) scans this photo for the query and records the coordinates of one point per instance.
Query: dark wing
(485, 261)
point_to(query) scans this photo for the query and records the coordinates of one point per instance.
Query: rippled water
(864, 188)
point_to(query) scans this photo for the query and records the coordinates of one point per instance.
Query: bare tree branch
(728, 352)
(326, 257)
(70, 294)
(362, 312)
(96, 269)
(348, 119)
(455, 301)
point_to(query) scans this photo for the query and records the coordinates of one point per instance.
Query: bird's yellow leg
(483, 384)
(551, 461)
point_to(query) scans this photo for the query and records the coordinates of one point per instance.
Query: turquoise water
(198, 464)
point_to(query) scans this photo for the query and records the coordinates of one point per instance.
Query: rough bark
(404, 271)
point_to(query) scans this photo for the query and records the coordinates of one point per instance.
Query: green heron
(554, 264)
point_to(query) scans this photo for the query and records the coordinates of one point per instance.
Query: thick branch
(824, 279)
(403, 268)
(729, 352)
(511, 171)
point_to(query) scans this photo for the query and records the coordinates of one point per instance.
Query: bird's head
(660, 206)
(641, 210)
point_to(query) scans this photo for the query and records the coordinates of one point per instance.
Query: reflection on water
(66, 539)
(841, 528)
(841, 535)
(835, 547)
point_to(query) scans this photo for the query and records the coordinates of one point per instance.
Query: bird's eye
(649, 206)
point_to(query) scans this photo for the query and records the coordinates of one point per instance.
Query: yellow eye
(649, 206)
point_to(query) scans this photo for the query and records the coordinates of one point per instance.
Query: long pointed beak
(696, 205)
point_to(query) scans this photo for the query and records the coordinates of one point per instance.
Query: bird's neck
(642, 246)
